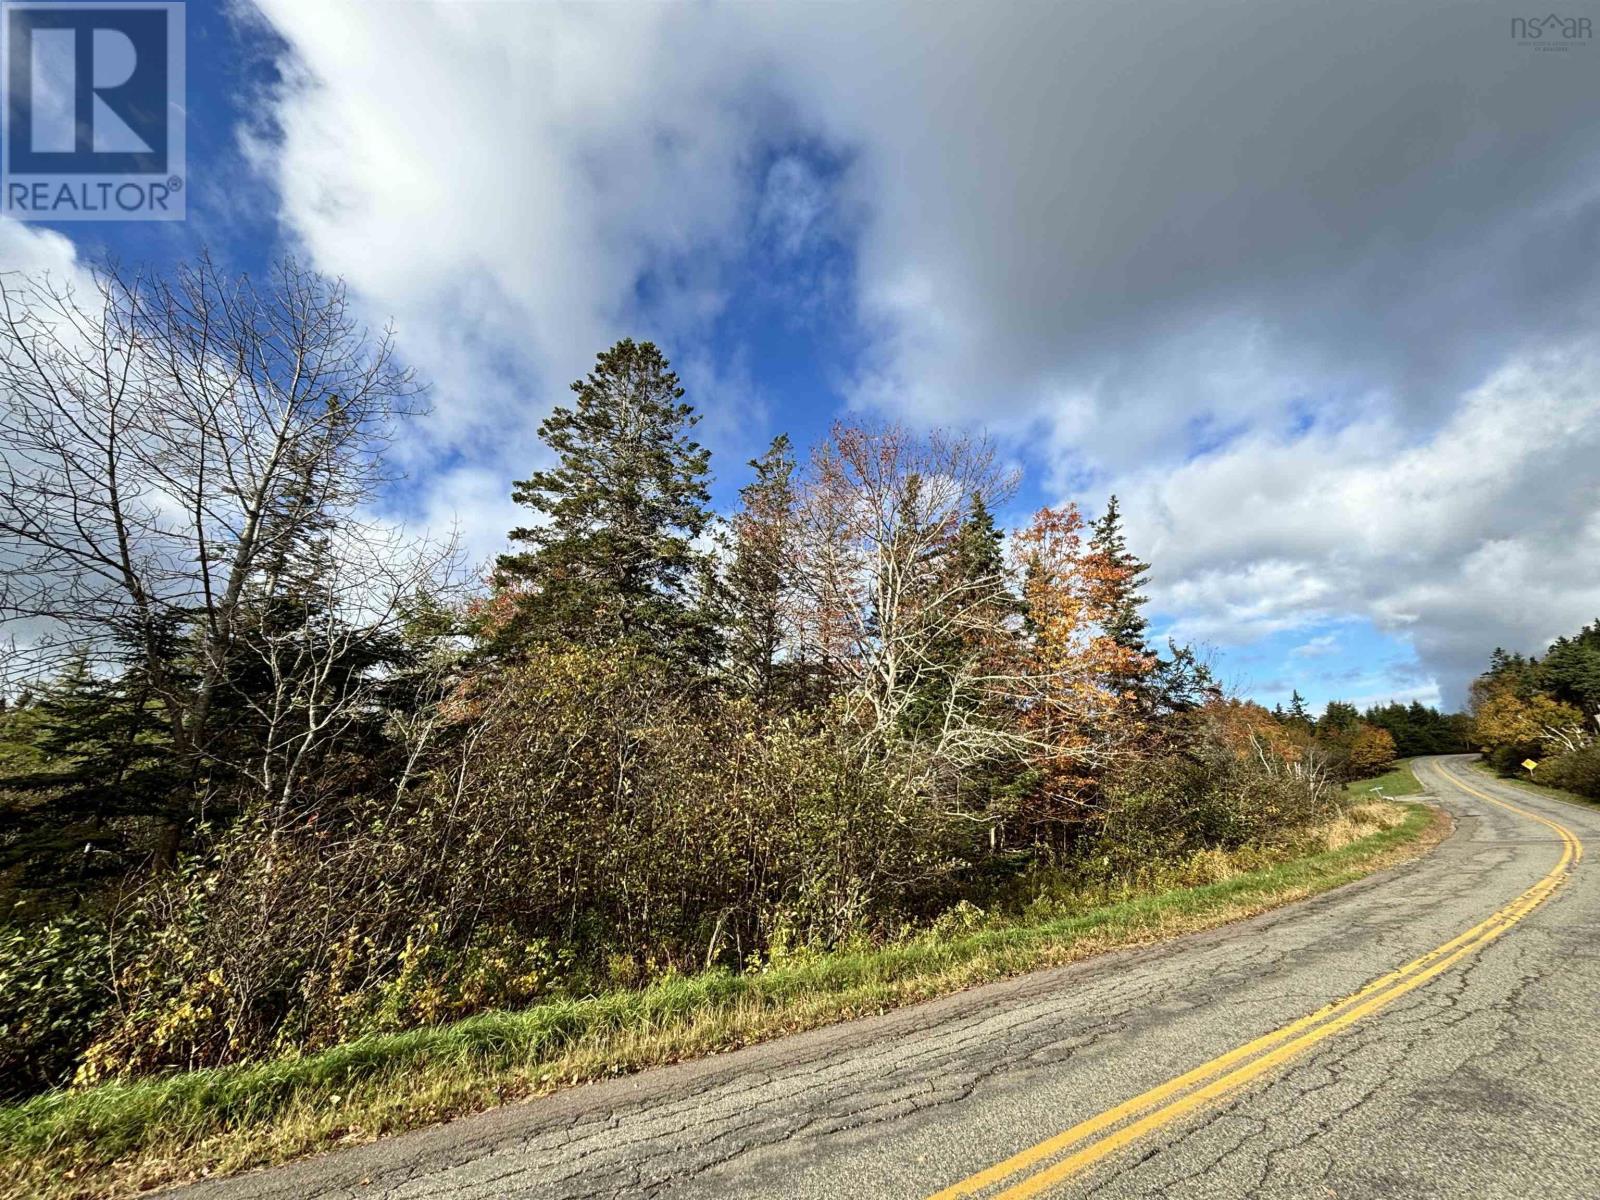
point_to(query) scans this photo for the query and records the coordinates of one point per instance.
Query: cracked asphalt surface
(1483, 1083)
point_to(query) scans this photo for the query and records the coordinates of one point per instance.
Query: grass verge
(121, 1138)
(1532, 785)
(1397, 781)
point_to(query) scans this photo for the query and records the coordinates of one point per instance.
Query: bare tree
(880, 516)
(965, 659)
(169, 447)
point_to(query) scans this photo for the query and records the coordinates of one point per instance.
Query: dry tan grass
(1357, 822)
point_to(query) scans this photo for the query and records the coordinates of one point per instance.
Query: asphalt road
(1471, 1073)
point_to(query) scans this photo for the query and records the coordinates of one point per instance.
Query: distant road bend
(1432, 1031)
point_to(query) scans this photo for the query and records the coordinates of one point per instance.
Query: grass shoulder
(124, 1138)
(1534, 786)
(1397, 781)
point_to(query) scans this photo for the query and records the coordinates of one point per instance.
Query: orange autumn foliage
(1075, 718)
(1243, 725)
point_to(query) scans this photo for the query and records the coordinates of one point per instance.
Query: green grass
(120, 1138)
(1398, 781)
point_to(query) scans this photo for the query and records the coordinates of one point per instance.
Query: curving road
(1432, 1031)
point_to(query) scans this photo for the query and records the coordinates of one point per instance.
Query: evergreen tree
(971, 572)
(1570, 671)
(1510, 671)
(759, 573)
(978, 556)
(1137, 671)
(1180, 681)
(1298, 714)
(614, 559)
(1417, 729)
(1338, 719)
(1126, 623)
(89, 780)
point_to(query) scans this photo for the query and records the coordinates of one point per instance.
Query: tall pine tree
(1298, 714)
(614, 559)
(1134, 670)
(1125, 621)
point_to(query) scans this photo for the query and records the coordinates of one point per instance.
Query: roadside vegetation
(122, 1139)
(285, 797)
(1533, 787)
(1544, 710)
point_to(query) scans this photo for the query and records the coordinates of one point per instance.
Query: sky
(1312, 288)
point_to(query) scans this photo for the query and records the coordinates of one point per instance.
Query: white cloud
(1486, 532)
(1283, 235)
(792, 203)
(499, 179)
(1318, 647)
(1379, 692)
(34, 249)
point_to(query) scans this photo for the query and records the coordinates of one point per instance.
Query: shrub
(1175, 805)
(1372, 751)
(592, 820)
(54, 985)
(1577, 771)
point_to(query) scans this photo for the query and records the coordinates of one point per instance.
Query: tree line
(1544, 710)
(1360, 744)
(274, 775)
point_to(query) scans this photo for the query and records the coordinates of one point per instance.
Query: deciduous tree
(165, 440)
(760, 576)
(894, 603)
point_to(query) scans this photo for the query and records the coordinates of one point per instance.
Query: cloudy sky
(1313, 287)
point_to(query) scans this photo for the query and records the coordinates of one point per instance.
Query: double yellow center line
(1055, 1159)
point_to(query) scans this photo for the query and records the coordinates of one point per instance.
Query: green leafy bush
(1578, 772)
(1172, 806)
(54, 985)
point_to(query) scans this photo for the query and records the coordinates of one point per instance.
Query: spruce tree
(1125, 623)
(614, 559)
(1570, 671)
(979, 555)
(1138, 672)
(971, 573)
(87, 780)
(1338, 718)
(1298, 713)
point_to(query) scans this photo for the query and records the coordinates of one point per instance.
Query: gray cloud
(1232, 258)
(1158, 211)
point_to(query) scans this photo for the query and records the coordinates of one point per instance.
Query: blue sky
(1315, 296)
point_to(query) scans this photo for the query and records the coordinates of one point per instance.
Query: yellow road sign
(1529, 763)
